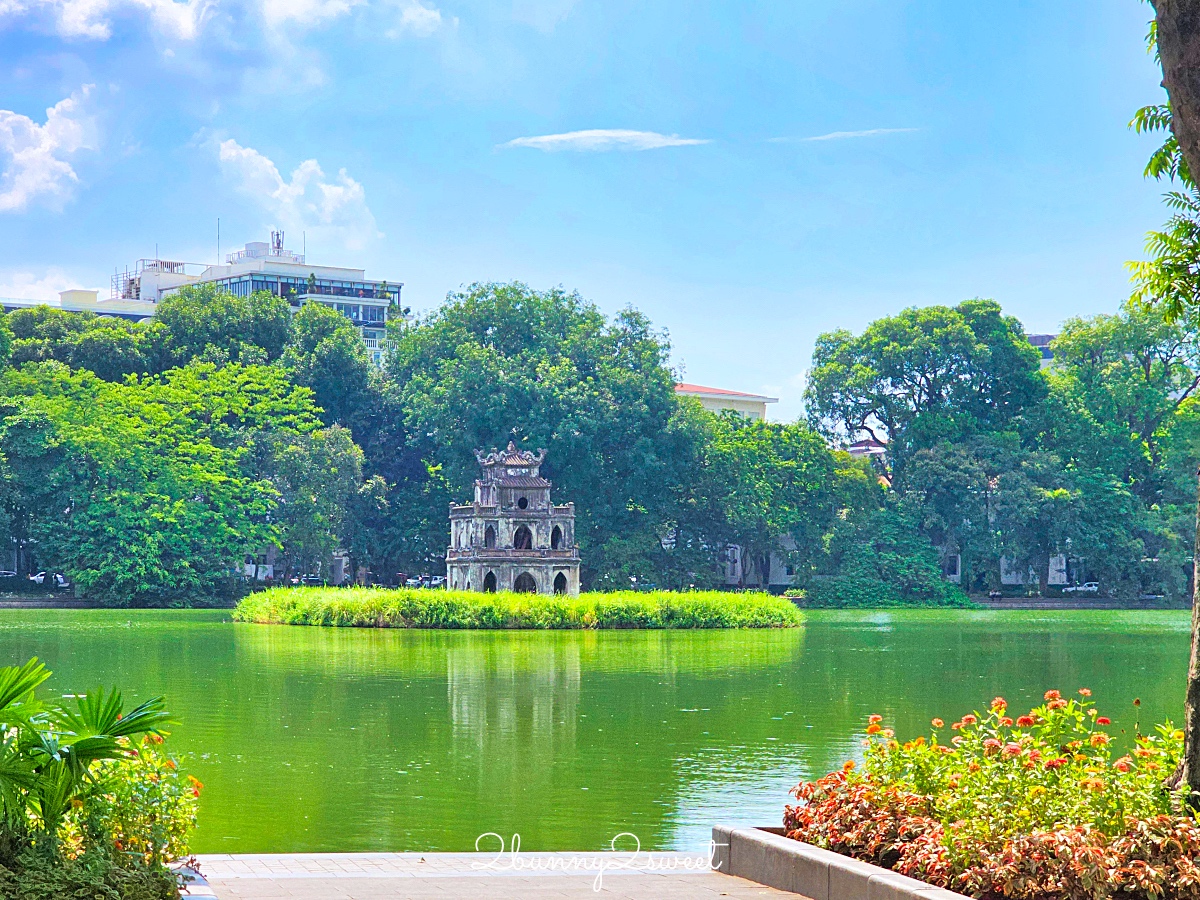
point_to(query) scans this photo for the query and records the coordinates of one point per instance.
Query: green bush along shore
(386, 608)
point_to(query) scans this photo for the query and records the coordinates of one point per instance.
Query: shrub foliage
(383, 608)
(1037, 807)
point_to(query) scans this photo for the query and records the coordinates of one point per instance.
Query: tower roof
(511, 456)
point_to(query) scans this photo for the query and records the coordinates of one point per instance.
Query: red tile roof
(718, 392)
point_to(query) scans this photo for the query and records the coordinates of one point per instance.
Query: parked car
(437, 581)
(414, 582)
(50, 579)
(1088, 587)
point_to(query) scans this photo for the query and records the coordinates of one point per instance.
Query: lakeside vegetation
(1045, 804)
(228, 429)
(90, 805)
(402, 608)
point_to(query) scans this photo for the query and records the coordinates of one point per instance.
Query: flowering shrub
(1032, 807)
(143, 806)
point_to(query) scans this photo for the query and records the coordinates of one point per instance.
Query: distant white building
(752, 406)
(262, 266)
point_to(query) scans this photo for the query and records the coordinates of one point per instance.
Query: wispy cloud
(331, 208)
(32, 155)
(602, 139)
(841, 135)
(91, 19)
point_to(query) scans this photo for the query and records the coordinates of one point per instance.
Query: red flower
(969, 719)
(1012, 749)
(1006, 722)
(1025, 721)
(1124, 764)
(1051, 695)
(1137, 701)
(874, 728)
(1057, 763)
(1104, 720)
(990, 746)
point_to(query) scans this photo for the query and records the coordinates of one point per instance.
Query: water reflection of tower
(514, 702)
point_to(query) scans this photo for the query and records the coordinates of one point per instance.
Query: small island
(417, 608)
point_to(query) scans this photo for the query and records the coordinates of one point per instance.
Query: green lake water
(313, 739)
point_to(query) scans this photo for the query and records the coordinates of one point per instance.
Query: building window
(560, 583)
(489, 538)
(523, 539)
(523, 503)
(489, 583)
(525, 584)
(556, 538)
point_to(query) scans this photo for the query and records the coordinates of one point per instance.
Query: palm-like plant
(47, 752)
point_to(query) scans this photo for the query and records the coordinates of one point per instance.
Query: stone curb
(192, 884)
(766, 856)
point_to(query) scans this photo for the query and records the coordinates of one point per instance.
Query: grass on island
(403, 608)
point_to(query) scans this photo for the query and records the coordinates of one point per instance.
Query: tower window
(556, 538)
(523, 539)
(523, 503)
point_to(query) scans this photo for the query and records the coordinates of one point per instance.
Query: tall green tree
(924, 376)
(205, 321)
(502, 362)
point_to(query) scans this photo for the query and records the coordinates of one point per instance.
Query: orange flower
(1099, 739)
(874, 728)
(874, 719)
(955, 726)
(848, 765)
(1006, 722)
(1051, 695)
(1024, 721)
(938, 723)
(1012, 749)
(999, 703)
(973, 766)
(1137, 701)
(1035, 755)
(969, 719)
(1104, 720)
(1057, 704)
(1084, 692)
(1143, 753)
(990, 746)
(1124, 764)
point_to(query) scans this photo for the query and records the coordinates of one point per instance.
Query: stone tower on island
(512, 538)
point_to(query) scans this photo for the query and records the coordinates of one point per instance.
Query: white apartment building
(261, 266)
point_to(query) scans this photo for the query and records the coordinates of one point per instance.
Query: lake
(312, 739)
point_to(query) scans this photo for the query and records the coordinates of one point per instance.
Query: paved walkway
(470, 876)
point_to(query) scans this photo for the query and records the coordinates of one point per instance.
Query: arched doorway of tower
(560, 583)
(489, 538)
(556, 538)
(525, 584)
(489, 583)
(523, 538)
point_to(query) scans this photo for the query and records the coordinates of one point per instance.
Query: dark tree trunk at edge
(1189, 768)
(1178, 24)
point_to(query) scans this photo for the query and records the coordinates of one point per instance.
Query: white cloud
(416, 18)
(331, 209)
(27, 286)
(93, 18)
(841, 135)
(32, 154)
(600, 139)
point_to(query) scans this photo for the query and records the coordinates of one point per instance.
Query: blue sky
(748, 174)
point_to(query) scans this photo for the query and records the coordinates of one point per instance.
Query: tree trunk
(1178, 23)
(1188, 775)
